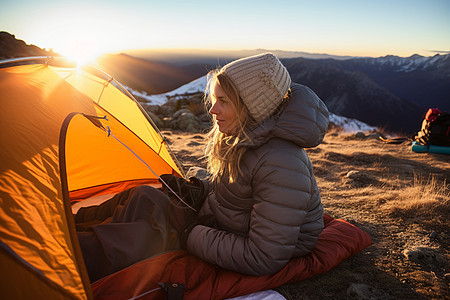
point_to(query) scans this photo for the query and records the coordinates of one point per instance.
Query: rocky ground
(401, 198)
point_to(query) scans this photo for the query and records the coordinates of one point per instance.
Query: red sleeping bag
(338, 241)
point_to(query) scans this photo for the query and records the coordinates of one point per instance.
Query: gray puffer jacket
(273, 212)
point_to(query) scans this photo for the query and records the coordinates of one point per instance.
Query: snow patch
(195, 86)
(350, 125)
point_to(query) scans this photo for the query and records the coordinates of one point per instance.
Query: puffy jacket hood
(303, 120)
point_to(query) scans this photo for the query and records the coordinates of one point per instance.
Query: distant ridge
(216, 58)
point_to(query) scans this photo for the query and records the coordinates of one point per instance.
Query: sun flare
(77, 32)
(81, 51)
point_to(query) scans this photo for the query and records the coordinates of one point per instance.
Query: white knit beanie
(261, 81)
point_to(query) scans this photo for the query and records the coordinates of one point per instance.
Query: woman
(263, 207)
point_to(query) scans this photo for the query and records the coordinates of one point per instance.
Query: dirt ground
(399, 197)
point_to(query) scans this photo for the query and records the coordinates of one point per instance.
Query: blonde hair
(222, 151)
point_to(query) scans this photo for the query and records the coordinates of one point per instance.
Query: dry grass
(401, 198)
(425, 196)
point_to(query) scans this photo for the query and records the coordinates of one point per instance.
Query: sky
(82, 28)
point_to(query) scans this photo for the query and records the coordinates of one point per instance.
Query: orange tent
(67, 134)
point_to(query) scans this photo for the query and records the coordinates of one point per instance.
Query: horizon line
(197, 51)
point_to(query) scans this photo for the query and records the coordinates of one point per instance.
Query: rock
(353, 174)
(425, 256)
(185, 121)
(180, 112)
(360, 135)
(183, 112)
(166, 110)
(373, 136)
(366, 292)
(200, 173)
(359, 176)
(360, 179)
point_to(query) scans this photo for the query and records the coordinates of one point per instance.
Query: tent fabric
(35, 102)
(51, 147)
(338, 241)
(37, 284)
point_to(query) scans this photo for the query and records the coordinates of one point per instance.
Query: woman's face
(224, 111)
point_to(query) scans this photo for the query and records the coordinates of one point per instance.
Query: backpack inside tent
(72, 134)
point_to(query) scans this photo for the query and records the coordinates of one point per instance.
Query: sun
(81, 51)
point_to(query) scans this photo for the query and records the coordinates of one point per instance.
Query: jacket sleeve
(282, 190)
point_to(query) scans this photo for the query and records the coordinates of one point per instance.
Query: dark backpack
(435, 129)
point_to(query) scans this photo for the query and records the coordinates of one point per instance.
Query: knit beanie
(261, 81)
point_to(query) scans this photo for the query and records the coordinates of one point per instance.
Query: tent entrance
(98, 155)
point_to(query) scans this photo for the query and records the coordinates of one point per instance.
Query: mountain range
(391, 92)
(423, 80)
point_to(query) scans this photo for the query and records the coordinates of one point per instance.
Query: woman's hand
(193, 192)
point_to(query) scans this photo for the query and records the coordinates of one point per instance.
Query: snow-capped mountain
(199, 85)
(424, 81)
(409, 64)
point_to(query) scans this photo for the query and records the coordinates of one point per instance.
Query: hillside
(10, 47)
(150, 76)
(354, 94)
(422, 80)
(401, 198)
